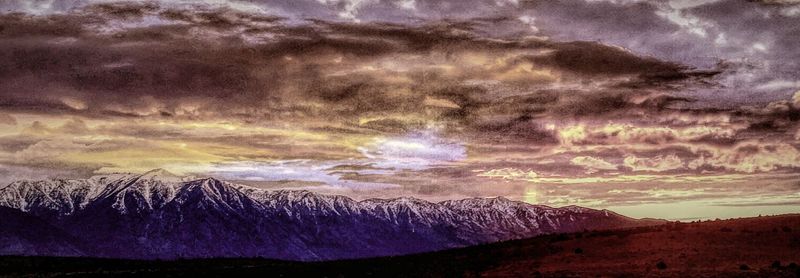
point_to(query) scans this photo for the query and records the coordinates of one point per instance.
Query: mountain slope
(24, 234)
(766, 246)
(157, 215)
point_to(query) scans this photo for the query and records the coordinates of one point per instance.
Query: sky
(669, 109)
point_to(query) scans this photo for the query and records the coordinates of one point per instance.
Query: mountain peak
(158, 172)
(579, 209)
(206, 180)
(409, 200)
(207, 184)
(484, 201)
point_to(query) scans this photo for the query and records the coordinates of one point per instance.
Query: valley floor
(749, 247)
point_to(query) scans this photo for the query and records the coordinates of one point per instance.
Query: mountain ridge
(146, 216)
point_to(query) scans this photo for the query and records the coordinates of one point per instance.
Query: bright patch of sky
(383, 156)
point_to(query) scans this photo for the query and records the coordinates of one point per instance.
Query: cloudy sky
(672, 109)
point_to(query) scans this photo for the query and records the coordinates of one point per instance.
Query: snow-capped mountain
(158, 215)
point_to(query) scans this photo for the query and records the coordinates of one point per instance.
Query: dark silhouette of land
(748, 247)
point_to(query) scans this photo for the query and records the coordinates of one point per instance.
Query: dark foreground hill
(751, 247)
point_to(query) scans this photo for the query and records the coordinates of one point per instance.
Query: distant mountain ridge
(158, 215)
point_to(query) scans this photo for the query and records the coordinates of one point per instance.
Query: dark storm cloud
(593, 58)
(144, 60)
(194, 61)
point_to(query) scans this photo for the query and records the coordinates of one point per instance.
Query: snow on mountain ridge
(65, 196)
(152, 189)
(157, 215)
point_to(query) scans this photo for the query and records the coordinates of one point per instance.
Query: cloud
(46, 150)
(509, 173)
(750, 157)
(593, 59)
(779, 2)
(654, 164)
(593, 164)
(6, 119)
(796, 99)
(286, 171)
(618, 134)
(779, 84)
(117, 60)
(415, 151)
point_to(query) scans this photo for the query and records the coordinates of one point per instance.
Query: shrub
(744, 267)
(776, 264)
(661, 265)
(560, 237)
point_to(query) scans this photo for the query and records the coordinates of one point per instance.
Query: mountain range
(157, 215)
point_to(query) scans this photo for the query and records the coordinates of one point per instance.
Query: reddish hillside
(739, 247)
